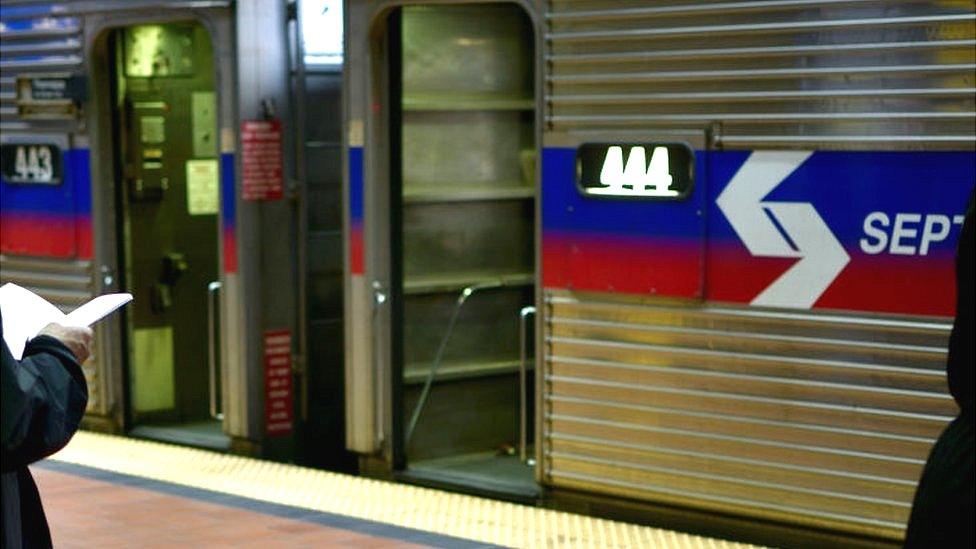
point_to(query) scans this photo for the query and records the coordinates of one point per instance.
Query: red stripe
(889, 284)
(881, 284)
(39, 234)
(356, 249)
(735, 275)
(83, 234)
(619, 264)
(230, 250)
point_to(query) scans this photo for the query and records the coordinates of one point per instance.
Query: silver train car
(150, 147)
(691, 262)
(684, 263)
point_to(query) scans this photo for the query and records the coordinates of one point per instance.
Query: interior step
(484, 473)
(199, 434)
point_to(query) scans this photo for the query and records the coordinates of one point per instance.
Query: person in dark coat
(44, 397)
(943, 511)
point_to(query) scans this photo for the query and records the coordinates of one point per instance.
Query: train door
(167, 191)
(462, 218)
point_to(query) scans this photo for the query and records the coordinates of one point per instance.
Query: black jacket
(942, 512)
(44, 398)
(962, 342)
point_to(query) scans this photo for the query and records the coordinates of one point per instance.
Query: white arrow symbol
(821, 255)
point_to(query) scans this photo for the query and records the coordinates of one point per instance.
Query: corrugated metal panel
(837, 74)
(36, 40)
(66, 284)
(824, 420)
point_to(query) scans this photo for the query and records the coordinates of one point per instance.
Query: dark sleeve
(962, 345)
(44, 398)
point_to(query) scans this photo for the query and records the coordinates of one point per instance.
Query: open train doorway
(167, 174)
(462, 218)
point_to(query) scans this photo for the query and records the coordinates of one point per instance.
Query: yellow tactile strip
(474, 518)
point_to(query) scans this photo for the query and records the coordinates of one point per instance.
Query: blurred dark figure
(942, 513)
(44, 398)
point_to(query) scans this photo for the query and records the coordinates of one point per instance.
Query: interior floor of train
(203, 434)
(109, 491)
(489, 473)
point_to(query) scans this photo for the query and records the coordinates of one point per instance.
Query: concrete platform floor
(109, 491)
(83, 513)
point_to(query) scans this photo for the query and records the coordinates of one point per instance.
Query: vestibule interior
(167, 183)
(464, 228)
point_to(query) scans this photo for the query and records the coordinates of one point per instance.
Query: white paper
(26, 313)
(96, 309)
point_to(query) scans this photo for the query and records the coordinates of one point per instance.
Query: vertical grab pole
(523, 408)
(301, 202)
(212, 290)
(379, 298)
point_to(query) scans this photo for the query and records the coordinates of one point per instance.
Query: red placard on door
(261, 160)
(278, 393)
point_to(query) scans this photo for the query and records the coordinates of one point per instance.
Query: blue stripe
(71, 196)
(356, 183)
(566, 209)
(845, 186)
(227, 194)
(39, 10)
(42, 23)
(78, 175)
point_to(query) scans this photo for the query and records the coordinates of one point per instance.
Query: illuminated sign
(657, 171)
(31, 163)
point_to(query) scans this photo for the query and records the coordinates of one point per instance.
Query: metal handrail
(523, 378)
(212, 290)
(379, 299)
(465, 294)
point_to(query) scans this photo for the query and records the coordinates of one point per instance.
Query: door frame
(382, 268)
(107, 214)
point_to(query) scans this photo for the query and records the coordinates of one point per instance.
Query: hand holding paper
(26, 314)
(77, 339)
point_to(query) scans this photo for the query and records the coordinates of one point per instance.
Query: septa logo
(782, 229)
(602, 171)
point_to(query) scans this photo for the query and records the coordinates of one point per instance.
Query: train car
(723, 232)
(148, 147)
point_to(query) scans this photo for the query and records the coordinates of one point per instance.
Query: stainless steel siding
(37, 39)
(833, 74)
(819, 419)
(40, 39)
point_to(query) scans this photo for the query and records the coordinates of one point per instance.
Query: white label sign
(202, 195)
